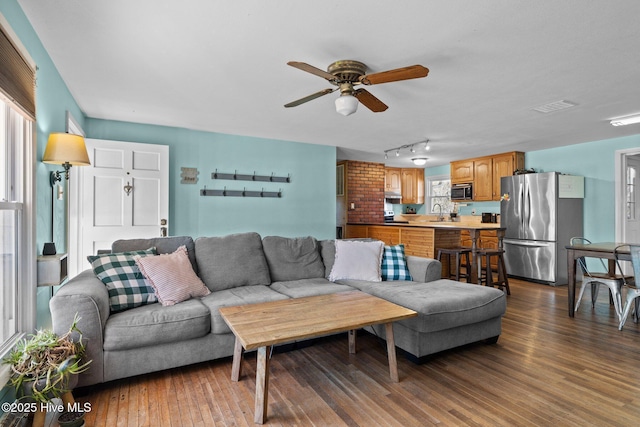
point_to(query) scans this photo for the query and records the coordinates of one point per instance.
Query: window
(15, 147)
(439, 193)
(631, 190)
(17, 172)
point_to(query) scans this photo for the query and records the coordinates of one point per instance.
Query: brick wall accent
(365, 189)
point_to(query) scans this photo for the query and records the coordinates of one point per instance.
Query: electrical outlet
(473, 211)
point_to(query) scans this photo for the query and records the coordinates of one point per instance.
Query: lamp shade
(66, 148)
(346, 104)
(419, 161)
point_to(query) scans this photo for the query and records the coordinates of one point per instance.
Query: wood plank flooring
(546, 370)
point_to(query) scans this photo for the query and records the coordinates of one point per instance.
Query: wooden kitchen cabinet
(485, 173)
(412, 186)
(393, 179)
(504, 165)
(462, 171)
(389, 235)
(483, 179)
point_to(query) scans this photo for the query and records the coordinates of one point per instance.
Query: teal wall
(307, 206)
(596, 162)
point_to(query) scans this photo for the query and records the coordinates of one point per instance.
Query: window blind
(17, 77)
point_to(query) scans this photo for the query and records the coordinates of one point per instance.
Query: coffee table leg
(262, 385)
(352, 341)
(391, 352)
(236, 366)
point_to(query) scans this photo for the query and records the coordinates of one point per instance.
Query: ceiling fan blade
(310, 97)
(405, 73)
(313, 70)
(370, 101)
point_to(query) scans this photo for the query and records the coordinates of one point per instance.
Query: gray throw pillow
(232, 261)
(293, 258)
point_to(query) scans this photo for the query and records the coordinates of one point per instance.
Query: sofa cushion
(236, 296)
(172, 277)
(154, 324)
(394, 264)
(293, 258)
(309, 287)
(125, 283)
(357, 260)
(441, 304)
(163, 245)
(232, 261)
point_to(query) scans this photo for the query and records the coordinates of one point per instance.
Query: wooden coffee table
(261, 326)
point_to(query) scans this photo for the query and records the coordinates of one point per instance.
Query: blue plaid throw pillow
(394, 264)
(124, 281)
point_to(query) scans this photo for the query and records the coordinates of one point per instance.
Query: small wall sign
(189, 175)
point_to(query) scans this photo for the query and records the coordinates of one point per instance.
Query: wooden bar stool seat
(459, 253)
(486, 275)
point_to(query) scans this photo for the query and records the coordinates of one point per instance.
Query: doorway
(123, 194)
(627, 212)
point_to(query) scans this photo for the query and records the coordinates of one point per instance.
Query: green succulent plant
(43, 364)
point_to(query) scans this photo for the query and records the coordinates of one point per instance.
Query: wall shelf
(52, 269)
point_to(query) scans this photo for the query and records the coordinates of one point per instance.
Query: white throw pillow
(357, 260)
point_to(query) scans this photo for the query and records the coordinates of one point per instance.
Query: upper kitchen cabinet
(504, 165)
(412, 186)
(462, 172)
(393, 180)
(485, 173)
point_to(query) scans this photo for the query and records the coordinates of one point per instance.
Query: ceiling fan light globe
(346, 104)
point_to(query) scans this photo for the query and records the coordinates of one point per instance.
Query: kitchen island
(423, 238)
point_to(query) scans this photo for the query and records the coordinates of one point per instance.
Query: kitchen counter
(438, 224)
(423, 238)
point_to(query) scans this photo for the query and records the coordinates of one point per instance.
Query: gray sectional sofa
(243, 269)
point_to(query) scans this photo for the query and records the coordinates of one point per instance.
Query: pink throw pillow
(172, 277)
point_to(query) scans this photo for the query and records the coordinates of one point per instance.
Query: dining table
(605, 250)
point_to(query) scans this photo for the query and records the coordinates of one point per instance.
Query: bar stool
(486, 275)
(458, 252)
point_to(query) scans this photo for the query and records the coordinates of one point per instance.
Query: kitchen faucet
(440, 217)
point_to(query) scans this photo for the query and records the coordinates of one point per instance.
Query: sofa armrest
(424, 269)
(87, 296)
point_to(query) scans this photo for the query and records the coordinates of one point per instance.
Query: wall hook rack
(235, 176)
(240, 193)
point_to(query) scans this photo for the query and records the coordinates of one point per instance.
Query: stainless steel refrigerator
(543, 211)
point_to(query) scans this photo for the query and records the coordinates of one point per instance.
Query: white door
(123, 194)
(632, 199)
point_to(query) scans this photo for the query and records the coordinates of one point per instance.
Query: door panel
(124, 194)
(146, 203)
(540, 206)
(530, 259)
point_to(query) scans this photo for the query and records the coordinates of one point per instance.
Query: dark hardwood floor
(546, 370)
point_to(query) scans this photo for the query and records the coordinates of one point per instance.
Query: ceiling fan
(346, 74)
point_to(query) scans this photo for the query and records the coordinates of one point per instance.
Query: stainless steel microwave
(461, 192)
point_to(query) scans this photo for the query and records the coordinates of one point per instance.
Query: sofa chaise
(245, 268)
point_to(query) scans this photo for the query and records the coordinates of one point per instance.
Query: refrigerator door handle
(528, 244)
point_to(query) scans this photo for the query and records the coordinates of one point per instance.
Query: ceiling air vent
(554, 106)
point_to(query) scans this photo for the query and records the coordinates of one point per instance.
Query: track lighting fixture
(412, 149)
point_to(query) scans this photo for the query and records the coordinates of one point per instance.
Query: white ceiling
(220, 66)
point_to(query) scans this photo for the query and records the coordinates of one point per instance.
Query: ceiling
(221, 66)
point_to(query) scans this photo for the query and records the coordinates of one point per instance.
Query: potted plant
(45, 366)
